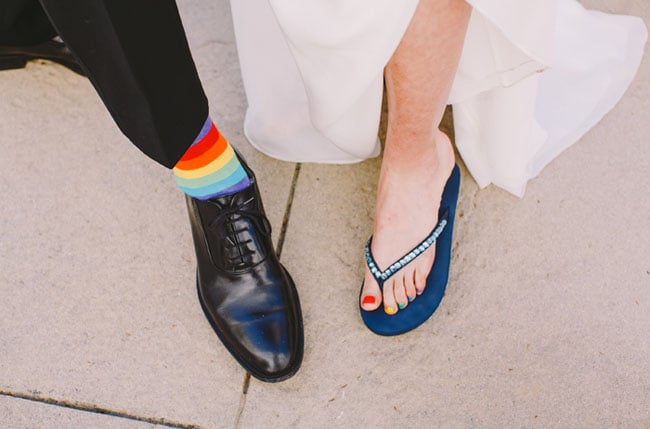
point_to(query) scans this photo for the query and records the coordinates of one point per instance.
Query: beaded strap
(382, 276)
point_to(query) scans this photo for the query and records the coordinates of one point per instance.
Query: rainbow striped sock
(210, 168)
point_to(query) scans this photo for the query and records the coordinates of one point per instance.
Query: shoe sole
(253, 372)
(420, 310)
(11, 62)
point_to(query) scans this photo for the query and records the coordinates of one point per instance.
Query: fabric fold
(534, 76)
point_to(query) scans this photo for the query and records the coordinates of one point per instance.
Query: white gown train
(534, 76)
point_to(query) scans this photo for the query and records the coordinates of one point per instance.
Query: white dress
(534, 76)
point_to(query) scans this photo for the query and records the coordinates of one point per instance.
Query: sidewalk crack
(287, 210)
(92, 408)
(242, 400)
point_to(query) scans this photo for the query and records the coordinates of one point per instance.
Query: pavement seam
(242, 400)
(287, 210)
(92, 408)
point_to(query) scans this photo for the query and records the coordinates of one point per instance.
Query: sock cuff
(205, 129)
(210, 168)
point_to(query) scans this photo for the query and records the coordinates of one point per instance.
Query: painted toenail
(418, 291)
(390, 311)
(368, 300)
(411, 298)
(401, 306)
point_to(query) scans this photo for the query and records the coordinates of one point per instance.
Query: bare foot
(408, 199)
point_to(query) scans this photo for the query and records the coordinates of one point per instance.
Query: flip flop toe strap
(382, 276)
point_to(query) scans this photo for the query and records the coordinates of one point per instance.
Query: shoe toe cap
(272, 347)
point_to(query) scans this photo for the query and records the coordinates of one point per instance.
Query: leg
(137, 57)
(418, 157)
(125, 65)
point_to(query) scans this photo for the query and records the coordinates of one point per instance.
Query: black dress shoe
(15, 57)
(246, 294)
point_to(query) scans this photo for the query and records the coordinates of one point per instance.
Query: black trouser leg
(136, 55)
(23, 23)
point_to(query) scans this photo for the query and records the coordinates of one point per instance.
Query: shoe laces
(228, 217)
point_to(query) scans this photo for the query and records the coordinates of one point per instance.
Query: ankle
(210, 167)
(432, 155)
(445, 151)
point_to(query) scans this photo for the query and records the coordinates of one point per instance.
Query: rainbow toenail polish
(368, 300)
(411, 298)
(401, 306)
(390, 311)
(418, 291)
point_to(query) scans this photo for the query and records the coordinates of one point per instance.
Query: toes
(409, 286)
(371, 295)
(421, 273)
(390, 305)
(420, 278)
(399, 290)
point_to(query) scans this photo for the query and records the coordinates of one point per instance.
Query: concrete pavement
(546, 320)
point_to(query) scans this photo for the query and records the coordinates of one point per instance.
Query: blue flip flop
(418, 311)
